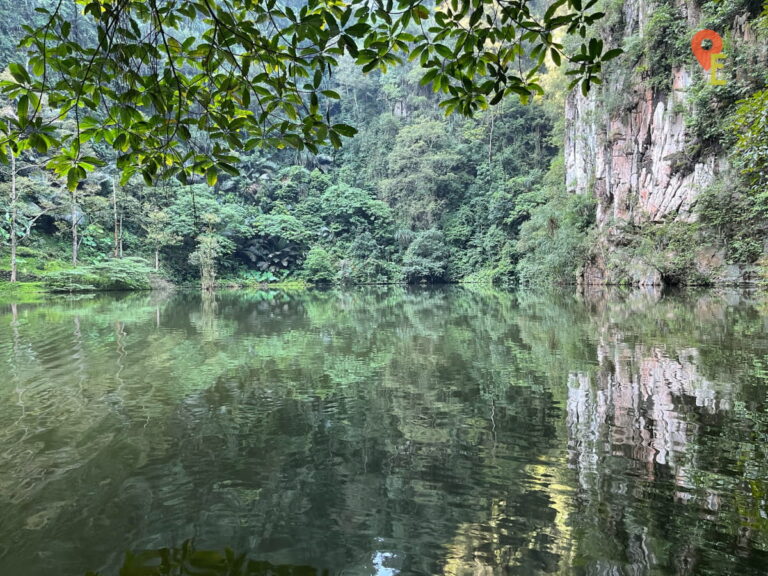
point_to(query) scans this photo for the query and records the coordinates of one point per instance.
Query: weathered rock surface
(636, 163)
(638, 159)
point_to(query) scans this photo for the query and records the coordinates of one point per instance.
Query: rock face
(637, 157)
(636, 162)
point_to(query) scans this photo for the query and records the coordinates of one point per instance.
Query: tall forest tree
(21, 214)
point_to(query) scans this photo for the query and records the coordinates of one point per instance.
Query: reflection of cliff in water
(636, 407)
(640, 429)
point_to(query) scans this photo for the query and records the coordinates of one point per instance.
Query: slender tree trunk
(75, 243)
(538, 142)
(115, 252)
(120, 238)
(157, 259)
(490, 140)
(14, 198)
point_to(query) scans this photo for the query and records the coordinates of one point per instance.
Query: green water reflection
(392, 431)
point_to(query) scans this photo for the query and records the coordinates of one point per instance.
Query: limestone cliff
(639, 159)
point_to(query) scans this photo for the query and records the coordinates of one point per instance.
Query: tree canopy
(178, 89)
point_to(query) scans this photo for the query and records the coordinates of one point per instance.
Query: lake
(385, 431)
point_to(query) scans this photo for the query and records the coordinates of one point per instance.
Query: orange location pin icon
(704, 55)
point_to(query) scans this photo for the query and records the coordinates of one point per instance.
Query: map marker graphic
(704, 55)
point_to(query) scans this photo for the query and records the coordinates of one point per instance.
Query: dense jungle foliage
(415, 196)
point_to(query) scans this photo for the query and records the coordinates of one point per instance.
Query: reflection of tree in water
(404, 470)
(188, 560)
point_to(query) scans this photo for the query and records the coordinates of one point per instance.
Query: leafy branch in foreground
(177, 89)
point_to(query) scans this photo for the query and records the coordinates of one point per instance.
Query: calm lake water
(392, 431)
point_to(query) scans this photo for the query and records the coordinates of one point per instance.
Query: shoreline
(37, 288)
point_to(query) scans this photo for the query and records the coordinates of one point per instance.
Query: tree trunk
(538, 142)
(157, 259)
(490, 140)
(115, 251)
(75, 243)
(14, 199)
(120, 238)
(208, 277)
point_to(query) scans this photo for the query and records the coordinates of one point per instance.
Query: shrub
(670, 248)
(318, 266)
(750, 122)
(665, 43)
(129, 273)
(371, 270)
(123, 274)
(735, 215)
(553, 243)
(426, 258)
(280, 243)
(72, 280)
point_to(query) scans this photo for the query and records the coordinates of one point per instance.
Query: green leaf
(19, 73)
(552, 9)
(443, 50)
(23, 108)
(611, 54)
(38, 143)
(294, 140)
(429, 77)
(476, 15)
(344, 130)
(211, 176)
(358, 29)
(74, 177)
(229, 169)
(38, 66)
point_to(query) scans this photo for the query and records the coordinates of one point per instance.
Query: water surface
(392, 431)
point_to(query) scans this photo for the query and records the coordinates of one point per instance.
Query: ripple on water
(436, 432)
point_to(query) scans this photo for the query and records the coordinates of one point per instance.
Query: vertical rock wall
(635, 162)
(637, 158)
